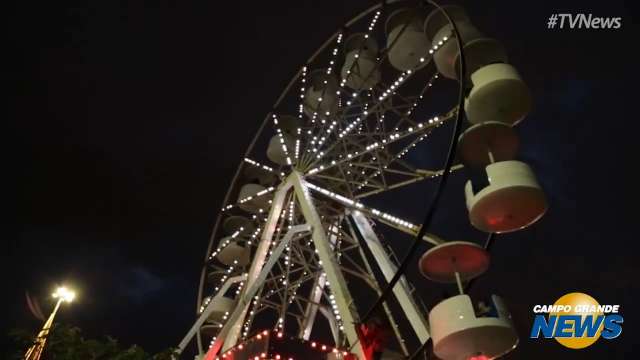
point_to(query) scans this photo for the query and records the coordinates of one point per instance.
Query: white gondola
(289, 124)
(512, 201)
(478, 49)
(360, 70)
(222, 307)
(258, 174)
(210, 330)
(214, 277)
(406, 41)
(454, 262)
(321, 96)
(276, 150)
(233, 254)
(486, 143)
(238, 223)
(498, 94)
(248, 200)
(459, 334)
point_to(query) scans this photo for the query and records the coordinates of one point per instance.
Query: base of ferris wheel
(457, 327)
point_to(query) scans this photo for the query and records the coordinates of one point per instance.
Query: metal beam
(316, 295)
(416, 318)
(329, 263)
(233, 329)
(246, 297)
(204, 315)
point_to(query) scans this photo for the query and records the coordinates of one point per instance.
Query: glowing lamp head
(64, 294)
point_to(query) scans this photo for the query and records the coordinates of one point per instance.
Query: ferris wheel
(297, 248)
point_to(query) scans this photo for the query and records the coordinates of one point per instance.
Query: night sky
(126, 121)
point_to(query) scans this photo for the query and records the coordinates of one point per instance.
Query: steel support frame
(401, 291)
(204, 315)
(385, 305)
(225, 336)
(330, 265)
(262, 252)
(316, 295)
(312, 307)
(263, 263)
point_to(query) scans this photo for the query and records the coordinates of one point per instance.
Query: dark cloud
(141, 284)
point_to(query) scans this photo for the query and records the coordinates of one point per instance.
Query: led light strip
(244, 200)
(391, 138)
(282, 142)
(261, 166)
(358, 205)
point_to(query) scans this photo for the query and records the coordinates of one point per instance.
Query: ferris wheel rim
(235, 179)
(264, 123)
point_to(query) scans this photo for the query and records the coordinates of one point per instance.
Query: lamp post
(35, 351)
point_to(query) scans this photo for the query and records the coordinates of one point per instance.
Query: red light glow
(479, 357)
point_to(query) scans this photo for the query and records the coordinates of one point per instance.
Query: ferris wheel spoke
(342, 181)
(391, 139)
(388, 268)
(262, 166)
(410, 103)
(384, 167)
(422, 175)
(390, 220)
(318, 128)
(351, 122)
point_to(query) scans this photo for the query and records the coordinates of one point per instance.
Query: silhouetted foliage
(67, 343)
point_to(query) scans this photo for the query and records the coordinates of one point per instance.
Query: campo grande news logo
(576, 321)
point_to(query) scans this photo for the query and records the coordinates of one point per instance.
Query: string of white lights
(282, 139)
(226, 242)
(358, 205)
(262, 166)
(393, 137)
(303, 81)
(377, 173)
(257, 164)
(320, 137)
(318, 140)
(248, 198)
(404, 76)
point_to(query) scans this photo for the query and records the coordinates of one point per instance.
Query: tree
(67, 343)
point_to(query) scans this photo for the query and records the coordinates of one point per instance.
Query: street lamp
(63, 294)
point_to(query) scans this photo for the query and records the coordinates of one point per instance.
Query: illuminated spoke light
(282, 142)
(244, 200)
(395, 136)
(358, 205)
(257, 164)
